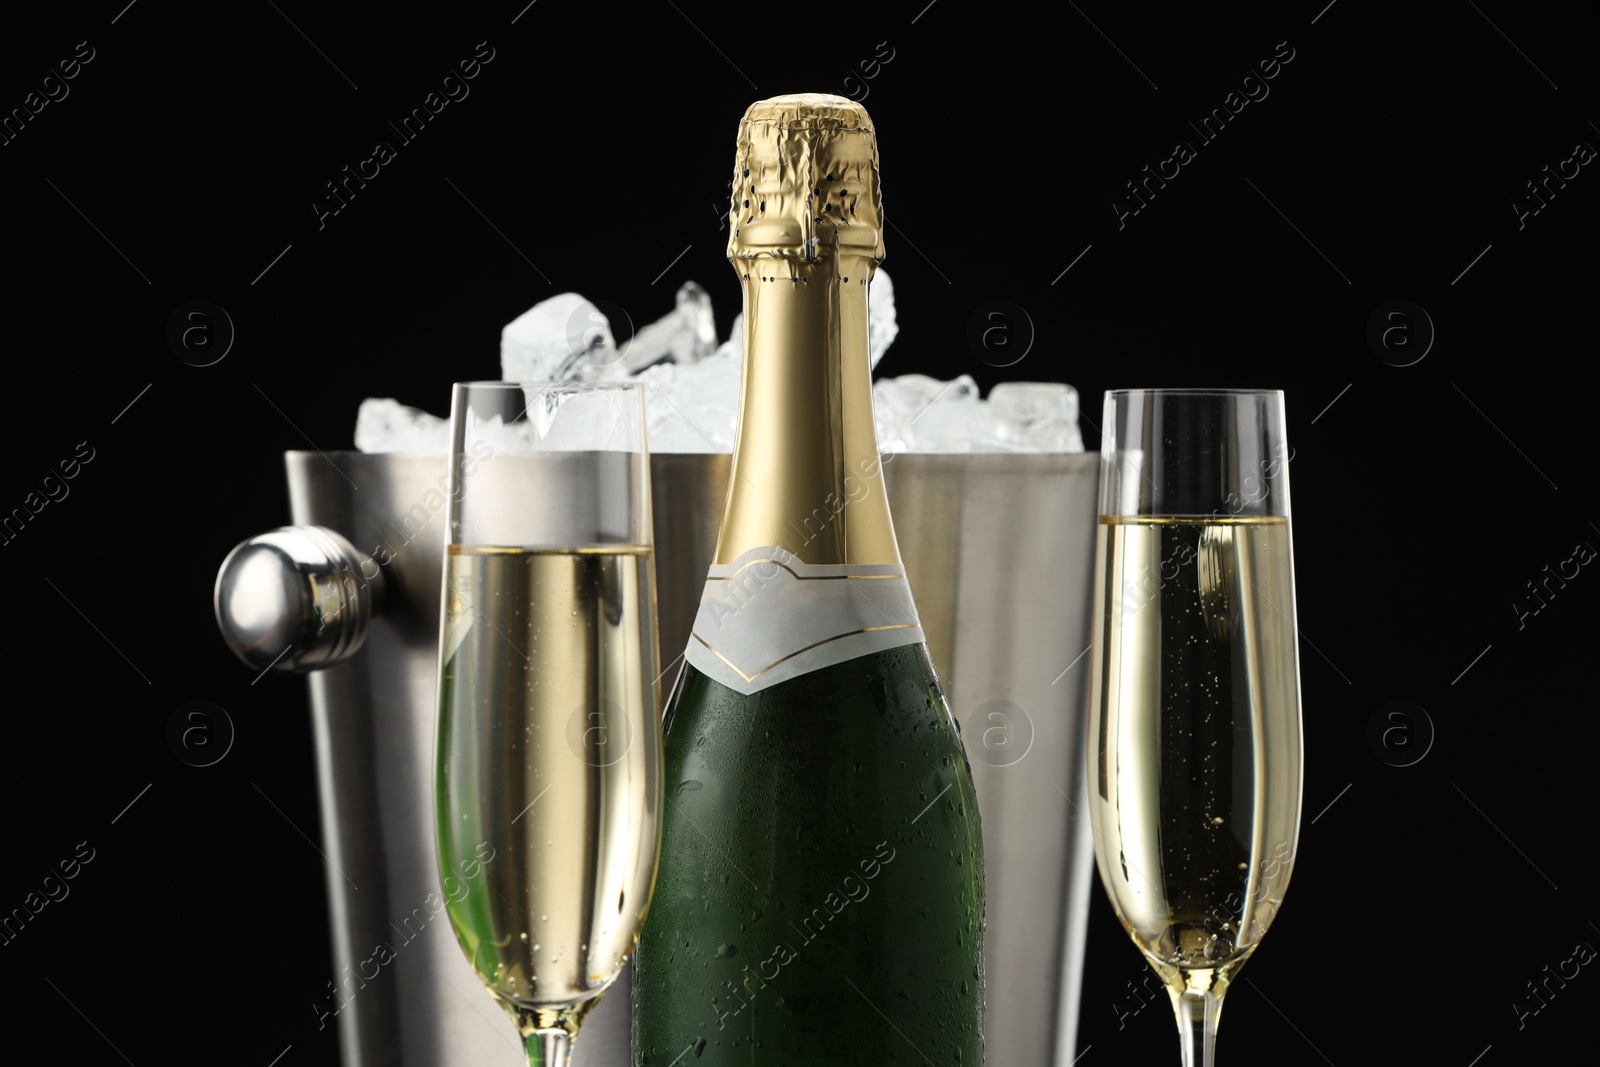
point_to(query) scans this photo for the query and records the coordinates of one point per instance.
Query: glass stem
(548, 1048)
(1197, 1026)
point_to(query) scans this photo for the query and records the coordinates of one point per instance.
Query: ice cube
(386, 425)
(953, 420)
(733, 347)
(901, 406)
(686, 334)
(881, 327)
(1036, 416)
(692, 384)
(710, 398)
(554, 338)
(916, 413)
(559, 419)
(693, 407)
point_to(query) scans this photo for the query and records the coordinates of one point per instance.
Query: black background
(597, 144)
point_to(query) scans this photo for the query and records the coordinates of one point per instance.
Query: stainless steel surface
(999, 551)
(297, 598)
(373, 719)
(687, 494)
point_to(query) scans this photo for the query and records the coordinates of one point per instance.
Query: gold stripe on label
(797, 577)
(808, 648)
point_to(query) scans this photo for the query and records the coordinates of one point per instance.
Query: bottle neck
(806, 475)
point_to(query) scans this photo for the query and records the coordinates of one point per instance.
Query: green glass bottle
(820, 892)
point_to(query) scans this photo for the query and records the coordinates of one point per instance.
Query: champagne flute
(548, 756)
(1194, 746)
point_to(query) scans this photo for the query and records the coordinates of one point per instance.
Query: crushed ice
(692, 385)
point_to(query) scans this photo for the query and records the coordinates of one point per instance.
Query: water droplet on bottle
(699, 1046)
(1216, 820)
(727, 951)
(688, 785)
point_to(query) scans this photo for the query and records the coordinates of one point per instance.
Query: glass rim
(1197, 391)
(576, 385)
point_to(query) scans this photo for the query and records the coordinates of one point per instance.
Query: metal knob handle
(297, 598)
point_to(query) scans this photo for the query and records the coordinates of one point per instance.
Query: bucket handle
(298, 598)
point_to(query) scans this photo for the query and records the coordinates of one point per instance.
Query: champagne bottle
(820, 892)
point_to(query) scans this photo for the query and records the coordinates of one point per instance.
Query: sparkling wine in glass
(548, 759)
(1194, 747)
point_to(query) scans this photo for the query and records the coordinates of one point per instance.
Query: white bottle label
(767, 617)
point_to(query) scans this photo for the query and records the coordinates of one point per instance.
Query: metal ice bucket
(999, 550)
